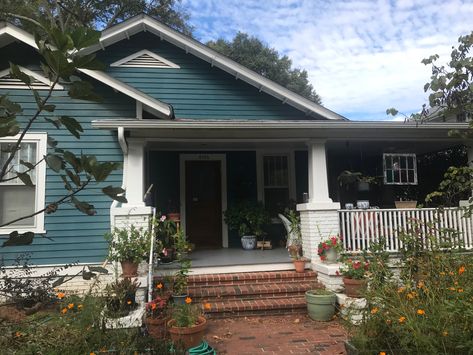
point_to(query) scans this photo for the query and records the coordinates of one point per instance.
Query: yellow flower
(411, 295)
(188, 300)
(402, 319)
(79, 307)
(159, 286)
(64, 311)
(442, 273)
(460, 290)
(461, 270)
(207, 306)
(445, 333)
(420, 312)
(70, 305)
(60, 295)
(374, 310)
(420, 284)
(451, 288)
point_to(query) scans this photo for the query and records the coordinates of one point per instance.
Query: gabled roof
(144, 59)
(10, 33)
(143, 22)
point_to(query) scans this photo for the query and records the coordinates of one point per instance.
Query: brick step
(235, 308)
(249, 291)
(251, 278)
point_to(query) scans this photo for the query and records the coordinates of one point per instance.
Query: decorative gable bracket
(145, 59)
(39, 81)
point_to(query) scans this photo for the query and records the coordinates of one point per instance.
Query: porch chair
(291, 236)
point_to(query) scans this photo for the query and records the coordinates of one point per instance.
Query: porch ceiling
(277, 131)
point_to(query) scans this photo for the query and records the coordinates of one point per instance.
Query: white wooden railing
(360, 228)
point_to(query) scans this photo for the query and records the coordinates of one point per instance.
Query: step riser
(202, 299)
(265, 312)
(250, 282)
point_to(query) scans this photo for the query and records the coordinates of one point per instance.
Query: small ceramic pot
(248, 242)
(331, 256)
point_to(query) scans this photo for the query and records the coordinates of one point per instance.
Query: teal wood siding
(196, 90)
(75, 236)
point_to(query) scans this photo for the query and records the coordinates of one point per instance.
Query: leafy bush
(355, 269)
(428, 309)
(128, 244)
(247, 218)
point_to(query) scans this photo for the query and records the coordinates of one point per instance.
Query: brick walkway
(294, 334)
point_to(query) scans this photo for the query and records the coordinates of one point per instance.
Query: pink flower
(163, 218)
(320, 250)
(334, 240)
(357, 265)
(165, 252)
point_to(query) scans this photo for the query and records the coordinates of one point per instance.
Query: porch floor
(227, 260)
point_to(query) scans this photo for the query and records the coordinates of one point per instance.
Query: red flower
(334, 240)
(325, 246)
(320, 250)
(337, 273)
(323, 257)
(357, 265)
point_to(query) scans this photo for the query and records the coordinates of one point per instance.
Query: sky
(362, 56)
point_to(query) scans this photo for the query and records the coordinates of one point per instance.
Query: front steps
(252, 293)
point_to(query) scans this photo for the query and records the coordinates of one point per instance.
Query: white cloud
(362, 56)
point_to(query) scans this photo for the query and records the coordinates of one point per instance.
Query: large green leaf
(71, 125)
(18, 74)
(85, 37)
(54, 162)
(83, 90)
(114, 193)
(16, 239)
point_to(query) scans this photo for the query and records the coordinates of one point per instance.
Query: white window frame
(401, 155)
(41, 149)
(260, 173)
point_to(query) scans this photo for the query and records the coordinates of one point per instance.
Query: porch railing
(360, 228)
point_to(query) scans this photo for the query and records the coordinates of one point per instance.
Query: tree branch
(24, 172)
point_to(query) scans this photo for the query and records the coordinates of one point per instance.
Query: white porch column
(470, 160)
(135, 170)
(319, 217)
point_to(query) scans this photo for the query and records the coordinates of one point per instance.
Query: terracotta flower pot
(129, 268)
(189, 336)
(175, 216)
(299, 265)
(157, 327)
(405, 204)
(354, 288)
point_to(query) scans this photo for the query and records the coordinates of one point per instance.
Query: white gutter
(124, 147)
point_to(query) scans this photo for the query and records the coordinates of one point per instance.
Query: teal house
(201, 132)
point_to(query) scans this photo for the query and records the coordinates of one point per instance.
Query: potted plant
(248, 219)
(406, 196)
(156, 317)
(329, 249)
(173, 214)
(120, 297)
(187, 324)
(354, 276)
(129, 246)
(165, 231)
(299, 262)
(179, 291)
(320, 304)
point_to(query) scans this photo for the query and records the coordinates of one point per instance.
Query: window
(400, 169)
(276, 183)
(16, 198)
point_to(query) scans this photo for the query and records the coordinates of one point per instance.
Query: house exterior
(205, 132)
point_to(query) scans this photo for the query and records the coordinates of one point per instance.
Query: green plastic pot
(320, 304)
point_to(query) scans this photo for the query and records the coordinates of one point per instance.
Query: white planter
(248, 242)
(331, 256)
(132, 320)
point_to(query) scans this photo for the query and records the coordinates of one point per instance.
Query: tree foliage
(58, 48)
(259, 57)
(96, 14)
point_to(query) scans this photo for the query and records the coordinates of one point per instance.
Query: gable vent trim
(145, 59)
(38, 81)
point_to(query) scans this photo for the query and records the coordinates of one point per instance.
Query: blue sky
(363, 56)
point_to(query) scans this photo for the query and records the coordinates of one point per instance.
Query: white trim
(34, 75)
(159, 106)
(41, 150)
(122, 62)
(146, 23)
(182, 186)
(290, 154)
(139, 110)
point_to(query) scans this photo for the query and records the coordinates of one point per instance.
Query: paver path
(294, 334)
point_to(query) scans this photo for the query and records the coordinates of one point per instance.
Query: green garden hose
(203, 349)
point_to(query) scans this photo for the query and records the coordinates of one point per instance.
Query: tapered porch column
(319, 217)
(135, 170)
(470, 159)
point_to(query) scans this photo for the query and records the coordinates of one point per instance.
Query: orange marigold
(60, 295)
(374, 310)
(401, 289)
(70, 305)
(461, 270)
(420, 312)
(460, 290)
(382, 353)
(159, 286)
(153, 306)
(18, 334)
(188, 300)
(64, 311)
(128, 302)
(402, 319)
(207, 306)
(445, 333)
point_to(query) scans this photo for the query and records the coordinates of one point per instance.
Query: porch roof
(292, 130)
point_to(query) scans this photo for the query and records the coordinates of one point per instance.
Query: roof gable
(144, 23)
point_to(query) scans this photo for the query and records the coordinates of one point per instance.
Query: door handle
(195, 199)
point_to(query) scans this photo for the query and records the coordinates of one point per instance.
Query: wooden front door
(204, 203)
